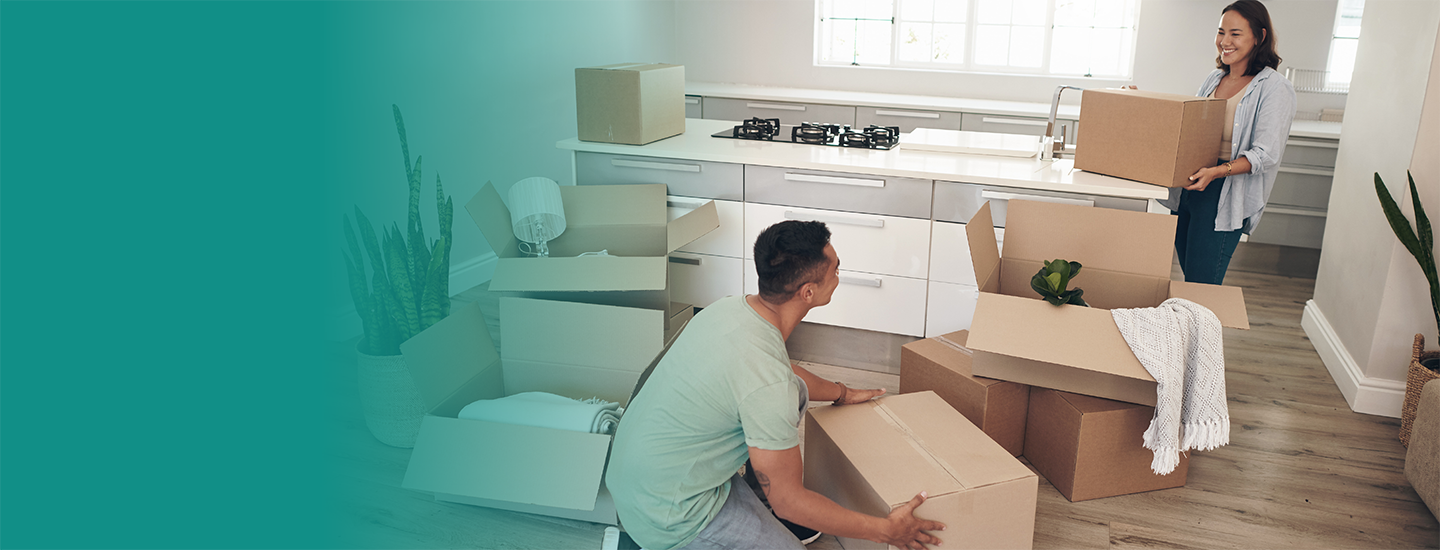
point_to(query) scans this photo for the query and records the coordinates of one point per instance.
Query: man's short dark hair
(788, 255)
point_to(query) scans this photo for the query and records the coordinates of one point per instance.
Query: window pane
(846, 8)
(917, 10)
(1110, 13)
(1074, 13)
(873, 43)
(878, 9)
(949, 43)
(1068, 47)
(1029, 12)
(992, 45)
(1342, 60)
(951, 11)
(1027, 46)
(1105, 51)
(915, 41)
(993, 12)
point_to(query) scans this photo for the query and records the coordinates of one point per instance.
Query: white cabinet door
(865, 242)
(700, 279)
(949, 307)
(867, 301)
(726, 240)
(950, 253)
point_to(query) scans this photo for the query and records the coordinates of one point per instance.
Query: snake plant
(1050, 282)
(1419, 241)
(410, 283)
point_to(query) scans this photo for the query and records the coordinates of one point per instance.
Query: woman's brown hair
(1264, 54)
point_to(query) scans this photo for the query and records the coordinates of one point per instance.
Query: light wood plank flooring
(1301, 471)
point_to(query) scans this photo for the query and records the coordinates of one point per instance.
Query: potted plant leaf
(408, 290)
(1053, 279)
(1420, 241)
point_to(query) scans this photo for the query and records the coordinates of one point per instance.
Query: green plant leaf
(404, 146)
(446, 210)
(1420, 245)
(400, 282)
(431, 310)
(1053, 281)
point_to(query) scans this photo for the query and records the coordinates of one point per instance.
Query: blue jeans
(1204, 252)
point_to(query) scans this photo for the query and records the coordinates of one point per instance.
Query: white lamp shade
(536, 211)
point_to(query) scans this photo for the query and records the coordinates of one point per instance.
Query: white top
(1025, 173)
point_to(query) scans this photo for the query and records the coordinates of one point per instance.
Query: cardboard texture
(1018, 337)
(1091, 448)
(631, 103)
(942, 365)
(570, 349)
(876, 456)
(1151, 137)
(631, 222)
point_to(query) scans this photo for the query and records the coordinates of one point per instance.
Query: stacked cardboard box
(942, 365)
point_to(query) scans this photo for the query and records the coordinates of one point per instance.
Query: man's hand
(907, 531)
(853, 396)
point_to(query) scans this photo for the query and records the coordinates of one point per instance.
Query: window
(1043, 37)
(1343, 42)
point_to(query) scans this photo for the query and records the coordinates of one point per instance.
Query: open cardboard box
(632, 222)
(876, 456)
(942, 365)
(1126, 258)
(571, 349)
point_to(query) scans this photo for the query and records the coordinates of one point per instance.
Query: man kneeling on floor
(727, 391)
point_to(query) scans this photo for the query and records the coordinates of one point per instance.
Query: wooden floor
(1301, 470)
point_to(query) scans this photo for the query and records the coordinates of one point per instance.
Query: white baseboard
(1365, 395)
(463, 276)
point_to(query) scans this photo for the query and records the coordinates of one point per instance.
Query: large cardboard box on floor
(1090, 448)
(1126, 257)
(571, 349)
(942, 365)
(631, 222)
(876, 456)
(631, 103)
(1151, 137)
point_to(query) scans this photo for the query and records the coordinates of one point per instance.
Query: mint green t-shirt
(724, 385)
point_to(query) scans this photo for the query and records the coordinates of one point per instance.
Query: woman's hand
(1204, 176)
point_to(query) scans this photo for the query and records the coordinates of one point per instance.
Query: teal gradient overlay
(163, 375)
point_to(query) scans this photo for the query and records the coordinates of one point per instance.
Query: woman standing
(1227, 199)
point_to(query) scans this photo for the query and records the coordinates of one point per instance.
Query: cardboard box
(942, 365)
(570, 349)
(1148, 136)
(630, 221)
(876, 456)
(1016, 336)
(631, 103)
(1089, 447)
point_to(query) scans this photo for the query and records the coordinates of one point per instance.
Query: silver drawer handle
(692, 101)
(686, 261)
(1306, 171)
(811, 178)
(1015, 121)
(682, 203)
(775, 106)
(1313, 143)
(842, 220)
(860, 281)
(655, 165)
(906, 114)
(1295, 211)
(998, 196)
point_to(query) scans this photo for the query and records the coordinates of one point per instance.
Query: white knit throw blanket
(1180, 344)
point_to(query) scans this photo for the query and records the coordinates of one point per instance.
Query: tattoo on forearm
(764, 482)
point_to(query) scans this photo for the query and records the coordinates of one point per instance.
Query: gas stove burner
(758, 128)
(812, 133)
(883, 136)
(857, 139)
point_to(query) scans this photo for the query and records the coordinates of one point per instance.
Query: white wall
(770, 43)
(1370, 297)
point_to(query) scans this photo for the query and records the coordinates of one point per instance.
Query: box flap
(447, 356)
(1079, 337)
(984, 249)
(1146, 94)
(606, 337)
(1086, 404)
(1226, 302)
(686, 228)
(493, 219)
(1100, 238)
(955, 440)
(585, 274)
(521, 464)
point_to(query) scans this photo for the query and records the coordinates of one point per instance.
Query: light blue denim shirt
(1262, 124)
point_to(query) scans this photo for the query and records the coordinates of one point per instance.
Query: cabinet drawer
(690, 178)
(700, 279)
(693, 107)
(949, 307)
(866, 243)
(908, 197)
(1300, 227)
(958, 202)
(726, 240)
(720, 108)
(1029, 126)
(1308, 187)
(1310, 152)
(906, 119)
(950, 253)
(866, 301)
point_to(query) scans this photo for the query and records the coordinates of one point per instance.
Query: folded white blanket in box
(547, 410)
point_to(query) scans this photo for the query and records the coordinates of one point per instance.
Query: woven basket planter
(390, 401)
(1415, 381)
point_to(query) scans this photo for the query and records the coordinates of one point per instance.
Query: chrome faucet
(1049, 148)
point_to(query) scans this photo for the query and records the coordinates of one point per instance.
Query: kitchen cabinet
(1030, 126)
(906, 119)
(1295, 213)
(693, 107)
(867, 301)
(719, 108)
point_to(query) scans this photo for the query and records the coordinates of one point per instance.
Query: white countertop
(1026, 173)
